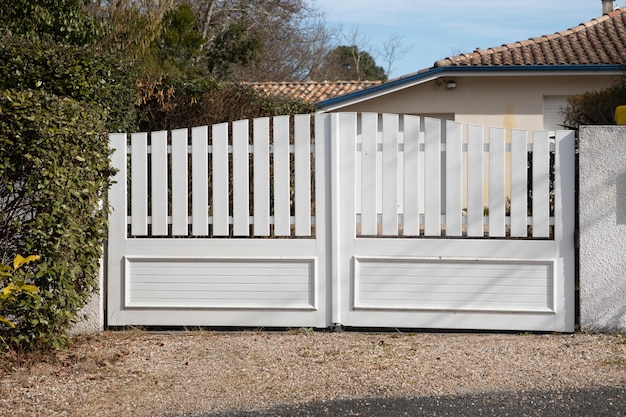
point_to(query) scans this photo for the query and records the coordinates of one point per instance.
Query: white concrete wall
(602, 200)
(93, 313)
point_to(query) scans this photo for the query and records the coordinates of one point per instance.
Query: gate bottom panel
(159, 289)
(453, 285)
(454, 293)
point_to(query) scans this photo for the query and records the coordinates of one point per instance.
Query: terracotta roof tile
(311, 91)
(599, 41)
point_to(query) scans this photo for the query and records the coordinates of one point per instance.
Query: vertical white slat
(343, 186)
(336, 200)
(564, 186)
(565, 224)
(118, 194)
(432, 177)
(159, 197)
(411, 224)
(519, 183)
(323, 213)
(118, 219)
(475, 178)
(139, 184)
(390, 175)
(220, 175)
(200, 181)
(261, 189)
(180, 204)
(241, 181)
(497, 202)
(454, 179)
(302, 160)
(541, 184)
(369, 218)
(282, 212)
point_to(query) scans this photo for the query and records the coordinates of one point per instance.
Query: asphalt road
(603, 401)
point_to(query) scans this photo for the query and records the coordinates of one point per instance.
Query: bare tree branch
(208, 15)
(393, 50)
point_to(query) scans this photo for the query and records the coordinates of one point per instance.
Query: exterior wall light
(451, 85)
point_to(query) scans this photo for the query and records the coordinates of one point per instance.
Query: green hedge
(54, 174)
(82, 73)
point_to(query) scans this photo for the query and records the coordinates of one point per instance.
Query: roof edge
(436, 72)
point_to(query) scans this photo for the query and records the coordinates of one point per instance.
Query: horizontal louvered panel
(221, 283)
(453, 285)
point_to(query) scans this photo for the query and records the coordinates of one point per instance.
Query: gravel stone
(303, 372)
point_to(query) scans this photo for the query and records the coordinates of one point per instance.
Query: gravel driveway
(305, 373)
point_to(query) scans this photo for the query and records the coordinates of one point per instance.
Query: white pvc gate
(373, 220)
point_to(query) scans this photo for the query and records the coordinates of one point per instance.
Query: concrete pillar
(602, 217)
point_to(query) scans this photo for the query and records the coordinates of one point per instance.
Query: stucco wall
(602, 200)
(498, 101)
(93, 312)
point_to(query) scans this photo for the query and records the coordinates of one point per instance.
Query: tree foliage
(278, 39)
(233, 46)
(350, 63)
(63, 21)
(233, 40)
(177, 50)
(132, 25)
(166, 104)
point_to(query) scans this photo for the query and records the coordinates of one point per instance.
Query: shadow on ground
(601, 401)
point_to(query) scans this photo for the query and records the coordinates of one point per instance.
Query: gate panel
(225, 254)
(461, 269)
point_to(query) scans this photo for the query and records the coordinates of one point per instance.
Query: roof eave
(438, 72)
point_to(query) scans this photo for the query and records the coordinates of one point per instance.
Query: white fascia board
(409, 81)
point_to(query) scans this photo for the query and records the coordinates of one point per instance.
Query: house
(522, 84)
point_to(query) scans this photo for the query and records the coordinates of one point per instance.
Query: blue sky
(435, 29)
